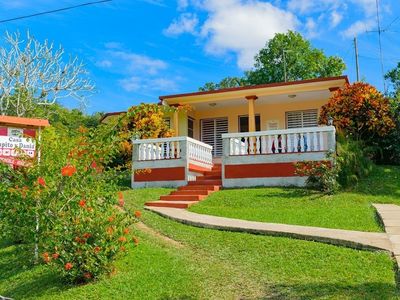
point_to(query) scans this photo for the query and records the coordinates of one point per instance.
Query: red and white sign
(15, 142)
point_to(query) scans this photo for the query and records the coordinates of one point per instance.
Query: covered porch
(262, 158)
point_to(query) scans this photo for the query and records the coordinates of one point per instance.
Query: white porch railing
(172, 148)
(300, 140)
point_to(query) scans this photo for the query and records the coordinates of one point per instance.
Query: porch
(260, 158)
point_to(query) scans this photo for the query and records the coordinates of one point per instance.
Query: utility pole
(284, 63)
(356, 54)
(380, 44)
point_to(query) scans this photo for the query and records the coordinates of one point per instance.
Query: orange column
(252, 117)
(176, 123)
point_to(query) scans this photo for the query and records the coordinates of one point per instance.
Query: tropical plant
(353, 160)
(321, 175)
(65, 207)
(360, 111)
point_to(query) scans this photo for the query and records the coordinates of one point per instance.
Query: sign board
(15, 142)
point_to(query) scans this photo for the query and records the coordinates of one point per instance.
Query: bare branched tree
(34, 73)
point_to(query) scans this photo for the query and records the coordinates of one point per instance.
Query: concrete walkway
(390, 215)
(348, 238)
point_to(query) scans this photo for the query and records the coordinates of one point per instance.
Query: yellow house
(237, 137)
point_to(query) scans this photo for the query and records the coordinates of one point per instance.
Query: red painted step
(182, 197)
(209, 177)
(191, 192)
(199, 187)
(194, 191)
(206, 182)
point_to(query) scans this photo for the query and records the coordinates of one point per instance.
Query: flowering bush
(321, 175)
(67, 205)
(359, 110)
(142, 121)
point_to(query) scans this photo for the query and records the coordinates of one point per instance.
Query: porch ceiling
(266, 99)
(274, 89)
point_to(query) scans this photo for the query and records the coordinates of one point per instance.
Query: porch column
(252, 118)
(176, 123)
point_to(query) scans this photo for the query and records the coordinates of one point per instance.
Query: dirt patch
(143, 227)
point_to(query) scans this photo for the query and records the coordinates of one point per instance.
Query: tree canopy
(288, 52)
(34, 73)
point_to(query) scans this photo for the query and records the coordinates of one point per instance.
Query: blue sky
(138, 50)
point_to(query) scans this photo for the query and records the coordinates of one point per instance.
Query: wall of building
(267, 112)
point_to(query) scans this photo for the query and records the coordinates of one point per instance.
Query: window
(302, 118)
(190, 127)
(244, 123)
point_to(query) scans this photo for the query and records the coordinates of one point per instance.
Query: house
(251, 135)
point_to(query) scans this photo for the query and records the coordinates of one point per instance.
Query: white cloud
(358, 27)
(311, 28)
(368, 6)
(113, 45)
(182, 4)
(130, 84)
(134, 62)
(105, 63)
(242, 28)
(306, 7)
(136, 83)
(136, 72)
(186, 23)
(335, 19)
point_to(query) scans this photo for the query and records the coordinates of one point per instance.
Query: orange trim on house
(260, 170)
(160, 174)
(198, 169)
(23, 122)
(249, 87)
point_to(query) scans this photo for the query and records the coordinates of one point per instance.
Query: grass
(346, 210)
(210, 264)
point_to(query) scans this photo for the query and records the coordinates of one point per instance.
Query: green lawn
(210, 264)
(347, 210)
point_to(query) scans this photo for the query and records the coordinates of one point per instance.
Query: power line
(53, 11)
(380, 44)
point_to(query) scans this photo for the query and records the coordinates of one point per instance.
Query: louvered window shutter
(300, 119)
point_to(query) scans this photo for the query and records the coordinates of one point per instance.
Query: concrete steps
(193, 192)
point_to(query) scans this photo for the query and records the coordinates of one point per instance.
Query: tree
(291, 52)
(228, 82)
(360, 111)
(34, 73)
(394, 77)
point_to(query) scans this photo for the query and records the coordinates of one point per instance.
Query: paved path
(348, 238)
(390, 215)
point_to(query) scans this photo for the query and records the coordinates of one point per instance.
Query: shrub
(67, 205)
(360, 111)
(321, 175)
(353, 160)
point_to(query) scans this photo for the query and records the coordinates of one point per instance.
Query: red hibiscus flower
(68, 170)
(138, 214)
(55, 255)
(41, 181)
(87, 235)
(68, 266)
(82, 203)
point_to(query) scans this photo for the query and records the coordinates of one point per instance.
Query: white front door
(211, 131)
